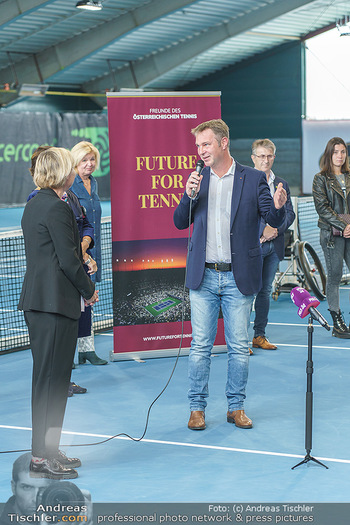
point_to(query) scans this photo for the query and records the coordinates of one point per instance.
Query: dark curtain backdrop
(22, 133)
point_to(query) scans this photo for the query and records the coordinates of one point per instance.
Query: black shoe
(70, 390)
(92, 357)
(340, 334)
(76, 389)
(339, 327)
(51, 469)
(68, 462)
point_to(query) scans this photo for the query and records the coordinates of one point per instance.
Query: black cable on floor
(167, 383)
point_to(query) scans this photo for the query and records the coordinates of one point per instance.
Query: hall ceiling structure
(157, 45)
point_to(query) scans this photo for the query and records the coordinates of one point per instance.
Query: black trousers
(85, 322)
(53, 339)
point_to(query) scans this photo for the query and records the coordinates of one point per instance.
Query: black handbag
(344, 217)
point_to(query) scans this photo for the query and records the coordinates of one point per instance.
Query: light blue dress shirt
(218, 247)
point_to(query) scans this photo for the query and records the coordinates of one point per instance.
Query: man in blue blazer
(225, 204)
(272, 241)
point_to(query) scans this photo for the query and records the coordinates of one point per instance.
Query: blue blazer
(288, 220)
(92, 206)
(251, 201)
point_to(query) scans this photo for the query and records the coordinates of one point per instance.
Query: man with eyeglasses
(271, 239)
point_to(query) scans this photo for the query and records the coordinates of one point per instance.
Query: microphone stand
(309, 399)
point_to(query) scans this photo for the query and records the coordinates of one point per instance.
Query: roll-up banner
(152, 153)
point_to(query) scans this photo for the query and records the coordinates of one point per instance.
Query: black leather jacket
(330, 201)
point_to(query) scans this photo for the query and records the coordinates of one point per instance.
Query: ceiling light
(343, 26)
(91, 5)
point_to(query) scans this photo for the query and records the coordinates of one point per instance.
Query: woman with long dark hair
(331, 190)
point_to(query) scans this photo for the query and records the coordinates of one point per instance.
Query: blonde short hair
(53, 167)
(83, 148)
(218, 127)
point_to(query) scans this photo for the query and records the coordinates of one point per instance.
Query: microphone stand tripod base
(308, 458)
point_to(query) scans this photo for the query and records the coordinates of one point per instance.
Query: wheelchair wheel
(313, 270)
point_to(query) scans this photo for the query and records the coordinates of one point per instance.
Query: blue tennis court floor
(221, 463)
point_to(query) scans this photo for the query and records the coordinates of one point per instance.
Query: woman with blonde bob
(53, 169)
(54, 283)
(86, 161)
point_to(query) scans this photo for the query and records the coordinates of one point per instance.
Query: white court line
(315, 346)
(292, 324)
(302, 325)
(192, 445)
(305, 346)
(278, 344)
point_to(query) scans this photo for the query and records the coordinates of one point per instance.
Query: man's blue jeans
(219, 289)
(262, 301)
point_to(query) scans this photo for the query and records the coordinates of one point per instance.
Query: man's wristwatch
(88, 261)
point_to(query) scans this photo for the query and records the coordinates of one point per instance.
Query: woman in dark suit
(55, 288)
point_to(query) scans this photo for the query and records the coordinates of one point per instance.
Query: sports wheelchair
(304, 269)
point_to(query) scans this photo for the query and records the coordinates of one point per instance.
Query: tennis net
(13, 330)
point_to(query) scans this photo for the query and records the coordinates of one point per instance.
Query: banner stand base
(150, 354)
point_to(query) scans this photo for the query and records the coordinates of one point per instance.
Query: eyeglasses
(267, 157)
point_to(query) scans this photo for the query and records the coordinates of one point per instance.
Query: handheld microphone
(307, 305)
(199, 167)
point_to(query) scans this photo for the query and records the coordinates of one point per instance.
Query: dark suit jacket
(251, 200)
(288, 220)
(55, 278)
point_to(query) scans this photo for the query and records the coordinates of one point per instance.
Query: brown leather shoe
(239, 418)
(197, 421)
(262, 342)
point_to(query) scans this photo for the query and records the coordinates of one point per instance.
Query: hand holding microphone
(194, 178)
(307, 305)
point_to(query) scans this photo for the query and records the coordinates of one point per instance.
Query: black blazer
(55, 278)
(288, 220)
